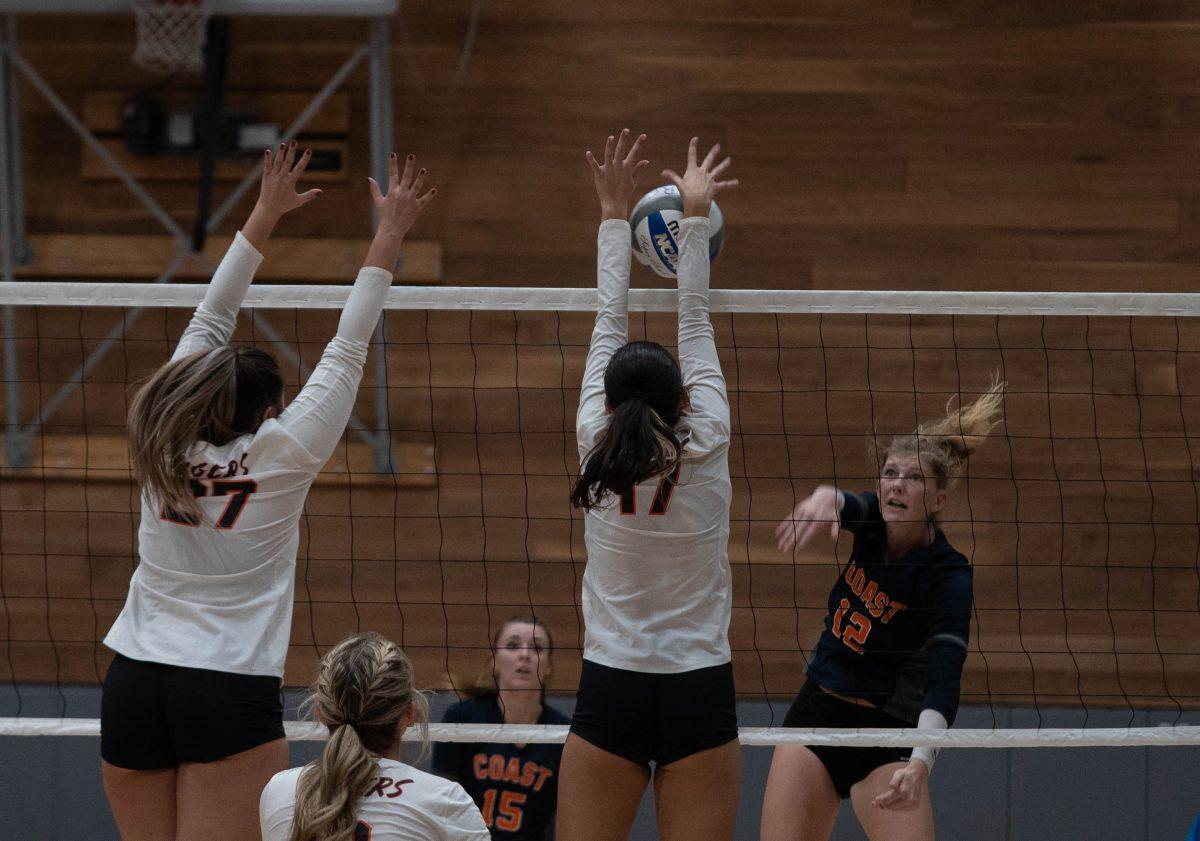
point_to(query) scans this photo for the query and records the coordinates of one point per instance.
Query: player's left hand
(699, 182)
(616, 178)
(907, 788)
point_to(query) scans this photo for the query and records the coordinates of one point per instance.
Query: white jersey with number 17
(657, 590)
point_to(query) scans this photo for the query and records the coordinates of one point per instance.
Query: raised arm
(698, 358)
(318, 415)
(615, 180)
(214, 320)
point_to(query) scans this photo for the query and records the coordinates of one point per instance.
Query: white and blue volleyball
(655, 224)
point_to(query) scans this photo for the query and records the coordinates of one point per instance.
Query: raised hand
(398, 209)
(403, 203)
(617, 176)
(700, 181)
(819, 509)
(277, 192)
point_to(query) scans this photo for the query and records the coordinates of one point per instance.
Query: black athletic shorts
(158, 716)
(658, 718)
(846, 766)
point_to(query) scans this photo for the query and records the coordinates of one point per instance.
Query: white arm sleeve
(214, 320)
(614, 249)
(317, 417)
(929, 720)
(698, 358)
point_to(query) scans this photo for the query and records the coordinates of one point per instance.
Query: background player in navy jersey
(656, 689)
(894, 643)
(191, 719)
(515, 786)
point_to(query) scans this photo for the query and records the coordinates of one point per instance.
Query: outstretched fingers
(619, 149)
(691, 156)
(398, 179)
(591, 159)
(418, 181)
(673, 176)
(633, 150)
(609, 146)
(301, 164)
(376, 193)
(710, 158)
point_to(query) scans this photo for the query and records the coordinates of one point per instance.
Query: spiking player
(894, 643)
(191, 715)
(653, 436)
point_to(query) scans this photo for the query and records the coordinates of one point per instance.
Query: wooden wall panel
(903, 144)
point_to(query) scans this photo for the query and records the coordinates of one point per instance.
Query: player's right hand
(403, 203)
(819, 509)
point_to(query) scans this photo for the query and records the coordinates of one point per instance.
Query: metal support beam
(382, 144)
(16, 447)
(22, 252)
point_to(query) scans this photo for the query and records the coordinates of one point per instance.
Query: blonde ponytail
(943, 445)
(363, 690)
(215, 396)
(964, 429)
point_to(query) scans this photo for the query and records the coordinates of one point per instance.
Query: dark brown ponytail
(644, 389)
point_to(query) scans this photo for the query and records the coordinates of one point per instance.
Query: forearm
(929, 720)
(611, 331)
(697, 342)
(317, 417)
(384, 252)
(259, 226)
(214, 320)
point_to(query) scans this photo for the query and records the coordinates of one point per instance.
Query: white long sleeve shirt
(403, 803)
(219, 595)
(657, 588)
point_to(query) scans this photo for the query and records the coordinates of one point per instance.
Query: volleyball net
(445, 511)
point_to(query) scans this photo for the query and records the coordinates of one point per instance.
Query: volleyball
(655, 224)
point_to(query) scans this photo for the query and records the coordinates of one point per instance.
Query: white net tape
(170, 35)
(311, 731)
(542, 299)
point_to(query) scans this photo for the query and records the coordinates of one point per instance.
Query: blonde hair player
(894, 643)
(191, 715)
(515, 786)
(360, 789)
(653, 436)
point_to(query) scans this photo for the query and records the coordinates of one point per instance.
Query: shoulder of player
(281, 788)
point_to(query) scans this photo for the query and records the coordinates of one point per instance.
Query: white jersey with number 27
(218, 594)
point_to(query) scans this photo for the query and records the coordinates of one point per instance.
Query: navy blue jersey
(516, 788)
(896, 633)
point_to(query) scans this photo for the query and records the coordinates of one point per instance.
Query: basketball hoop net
(170, 35)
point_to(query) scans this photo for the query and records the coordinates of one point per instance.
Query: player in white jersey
(191, 715)
(360, 789)
(653, 436)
